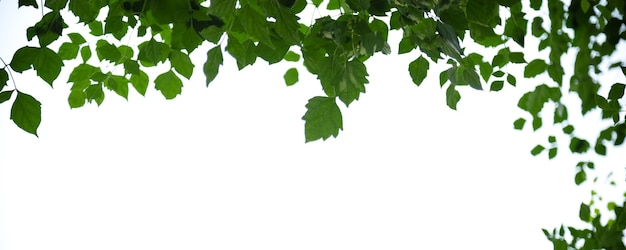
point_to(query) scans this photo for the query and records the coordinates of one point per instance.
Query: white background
(226, 167)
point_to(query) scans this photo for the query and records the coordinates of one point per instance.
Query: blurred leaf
(534, 68)
(584, 212)
(552, 153)
(76, 98)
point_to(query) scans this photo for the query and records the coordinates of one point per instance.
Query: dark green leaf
(5, 95)
(82, 72)
(496, 85)
(68, 51)
(483, 12)
(244, 53)
(76, 99)
(140, 82)
(33, 3)
(55, 4)
(519, 123)
(534, 68)
(585, 212)
(153, 52)
(552, 153)
(469, 76)
(537, 150)
(24, 58)
(535, 4)
(212, 65)
(617, 91)
(358, 5)
(578, 145)
(181, 63)
(601, 102)
(498, 73)
(77, 38)
(511, 79)
(352, 82)
(517, 57)
(254, 24)
(291, 76)
(48, 65)
(87, 11)
(169, 84)
(26, 113)
(600, 148)
(322, 119)
(4, 78)
(418, 70)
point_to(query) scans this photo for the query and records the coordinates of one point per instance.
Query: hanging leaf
(169, 84)
(26, 113)
(212, 65)
(418, 69)
(322, 119)
(291, 76)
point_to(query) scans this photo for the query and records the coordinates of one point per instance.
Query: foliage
(335, 48)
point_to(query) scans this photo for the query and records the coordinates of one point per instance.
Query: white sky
(226, 167)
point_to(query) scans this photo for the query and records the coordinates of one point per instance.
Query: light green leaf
(76, 99)
(322, 119)
(169, 84)
(181, 63)
(291, 76)
(140, 82)
(212, 65)
(26, 113)
(418, 69)
(292, 56)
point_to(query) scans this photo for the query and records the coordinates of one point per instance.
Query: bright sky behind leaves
(226, 167)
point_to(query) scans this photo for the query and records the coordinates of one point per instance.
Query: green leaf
(33, 3)
(580, 177)
(94, 93)
(322, 119)
(153, 52)
(118, 84)
(244, 53)
(4, 78)
(286, 25)
(107, 51)
(212, 65)
(254, 24)
(511, 80)
(68, 51)
(317, 3)
(519, 123)
(584, 212)
(578, 145)
(181, 63)
(517, 57)
(535, 4)
(24, 58)
(534, 68)
(496, 85)
(358, 5)
(352, 82)
(418, 69)
(87, 11)
(537, 123)
(82, 72)
(5, 95)
(483, 12)
(85, 53)
(552, 153)
(452, 97)
(76, 99)
(292, 56)
(600, 148)
(26, 113)
(55, 4)
(469, 76)
(498, 73)
(140, 82)
(569, 129)
(291, 76)
(77, 38)
(537, 150)
(96, 28)
(48, 65)
(169, 84)
(617, 91)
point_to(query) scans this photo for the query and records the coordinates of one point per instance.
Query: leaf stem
(10, 74)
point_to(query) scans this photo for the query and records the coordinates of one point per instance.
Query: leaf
(483, 12)
(352, 82)
(82, 72)
(519, 123)
(496, 85)
(517, 57)
(118, 84)
(322, 119)
(452, 97)
(87, 11)
(552, 153)
(153, 52)
(286, 25)
(511, 80)
(181, 63)
(568, 129)
(33, 3)
(617, 91)
(292, 56)
(537, 150)
(68, 51)
(358, 5)
(94, 93)
(24, 58)
(469, 76)
(96, 28)
(26, 113)
(584, 212)
(48, 65)
(418, 69)
(4, 78)
(55, 4)
(85, 53)
(254, 24)
(291, 76)
(5, 95)
(140, 82)
(169, 84)
(77, 38)
(107, 51)
(578, 145)
(244, 53)
(76, 99)
(212, 64)
(534, 68)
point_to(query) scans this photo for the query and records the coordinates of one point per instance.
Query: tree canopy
(579, 43)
